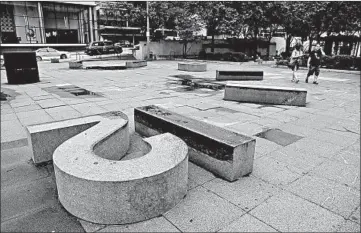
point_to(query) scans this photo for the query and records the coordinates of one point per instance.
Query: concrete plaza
(312, 184)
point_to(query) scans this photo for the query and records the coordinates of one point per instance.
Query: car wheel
(63, 56)
(38, 58)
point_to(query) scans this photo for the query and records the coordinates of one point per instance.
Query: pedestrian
(296, 55)
(314, 63)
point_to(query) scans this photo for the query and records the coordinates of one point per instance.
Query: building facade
(44, 23)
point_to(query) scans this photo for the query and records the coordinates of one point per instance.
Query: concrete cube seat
(223, 152)
(265, 94)
(135, 64)
(239, 75)
(95, 185)
(192, 67)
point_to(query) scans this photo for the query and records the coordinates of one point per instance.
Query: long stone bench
(224, 153)
(192, 67)
(238, 75)
(266, 94)
(95, 186)
(135, 64)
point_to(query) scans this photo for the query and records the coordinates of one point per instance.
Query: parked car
(102, 47)
(47, 53)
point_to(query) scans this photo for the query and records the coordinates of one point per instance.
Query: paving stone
(21, 172)
(15, 155)
(51, 219)
(88, 109)
(91, 227)
(328, 194)
(202, 211)
(349, 226)
(247, 223)
(56, 110)
(50, 103)
(246, 128)
(247, 192)
(220, 121)
(36, 120)
(356, 216)
(339, 172)
(199, 175)
(275, 172)
(159, 224)
(27, 108)
(315, 147)
(8, 117)
(264, 146)
(348, 156)
(22, 103)
(6, 111)
(59, 116)
(18, 200)
(289, 213)
(32, 114)
(185, 110)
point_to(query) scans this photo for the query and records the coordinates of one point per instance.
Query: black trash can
(21, 67)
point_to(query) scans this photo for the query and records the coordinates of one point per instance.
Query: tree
(218, 17)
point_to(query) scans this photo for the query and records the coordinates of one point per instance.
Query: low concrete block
(135, 64)
(95, 186)
(192, 67)
(225, 153)
(76, 65)
(54, 60)
(266, 94)
(239, 75)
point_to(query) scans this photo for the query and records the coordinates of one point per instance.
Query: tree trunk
(212, 43)
(185, 50)
(288, 44)
(268, 47)
(310, 44)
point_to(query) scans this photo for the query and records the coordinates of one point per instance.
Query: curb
(323, 69)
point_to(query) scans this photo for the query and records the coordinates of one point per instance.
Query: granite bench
(95, 185)
(192, 67)
(266, 94)
(225, 153)
(135, 64)
(238, 75)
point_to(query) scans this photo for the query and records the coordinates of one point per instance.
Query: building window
(20, 22)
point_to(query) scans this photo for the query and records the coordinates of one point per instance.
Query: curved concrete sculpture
(193, 67)
(95, 186)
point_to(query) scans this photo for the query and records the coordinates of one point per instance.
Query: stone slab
(50, 219)
(192, 67)
(289, 213)
(238, 75)
(266, 94)
(203, 211)
(247, 223)
(135, 64)
(225, 153)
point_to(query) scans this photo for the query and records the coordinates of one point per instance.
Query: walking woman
(295, 61)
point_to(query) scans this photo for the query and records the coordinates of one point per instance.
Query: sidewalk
(311, 184)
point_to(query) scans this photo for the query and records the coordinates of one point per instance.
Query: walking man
(314, 63)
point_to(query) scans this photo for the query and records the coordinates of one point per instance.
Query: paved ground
(313, 184)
